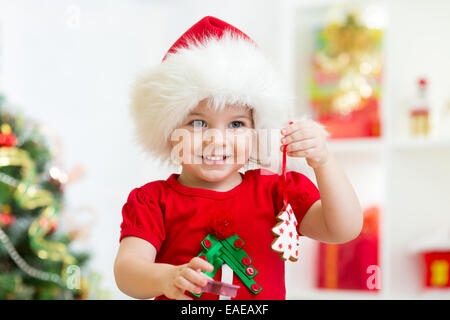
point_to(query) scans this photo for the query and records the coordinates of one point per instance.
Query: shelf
(356, 145)
(421, 143)
(316, 294)
(376, 145)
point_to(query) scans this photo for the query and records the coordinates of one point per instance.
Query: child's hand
(306, 139)
(187, 276)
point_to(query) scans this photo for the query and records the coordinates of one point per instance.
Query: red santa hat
(212, 60)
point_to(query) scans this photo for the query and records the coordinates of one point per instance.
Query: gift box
(433, 249)
(352, 265)
(437, 269)
(364, 122)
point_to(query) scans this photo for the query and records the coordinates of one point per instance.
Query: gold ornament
(5, 128)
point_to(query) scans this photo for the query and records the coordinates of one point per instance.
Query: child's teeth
(214, 158)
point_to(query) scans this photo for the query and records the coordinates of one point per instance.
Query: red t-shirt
(175, 219)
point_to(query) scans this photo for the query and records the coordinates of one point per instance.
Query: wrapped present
(437, 269)
(434, 251)
(351, 265)
(359, 123)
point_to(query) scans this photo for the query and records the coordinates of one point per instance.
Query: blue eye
(234, 122)
(198, 122)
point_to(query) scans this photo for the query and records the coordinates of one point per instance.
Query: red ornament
(7, 140)
(43, 223)
(53, 227)
(422, 82)
(7, 137)
(6, 219)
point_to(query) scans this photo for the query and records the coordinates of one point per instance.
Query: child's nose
(217, 141)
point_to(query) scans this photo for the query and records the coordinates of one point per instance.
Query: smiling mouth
(215, 159)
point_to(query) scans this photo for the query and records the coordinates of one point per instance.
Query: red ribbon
(283, 176)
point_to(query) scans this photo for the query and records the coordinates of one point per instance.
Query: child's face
(226, 134)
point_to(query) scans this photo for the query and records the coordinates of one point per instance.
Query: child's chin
(216, 173)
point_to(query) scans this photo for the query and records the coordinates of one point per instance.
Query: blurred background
(375, 73)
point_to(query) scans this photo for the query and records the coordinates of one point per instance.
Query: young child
(215, 79)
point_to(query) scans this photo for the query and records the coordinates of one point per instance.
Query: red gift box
(352, 265)
(437, 269)
(364, 122)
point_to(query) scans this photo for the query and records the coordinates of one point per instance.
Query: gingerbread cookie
(287, 239)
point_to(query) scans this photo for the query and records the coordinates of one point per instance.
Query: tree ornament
(6, 218)
(286, 241)
(7, 138)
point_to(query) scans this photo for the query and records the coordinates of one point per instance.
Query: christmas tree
(36, 261)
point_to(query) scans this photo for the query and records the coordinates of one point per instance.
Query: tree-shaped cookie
(287, 239)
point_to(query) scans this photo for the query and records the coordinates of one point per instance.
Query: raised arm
(337, 217)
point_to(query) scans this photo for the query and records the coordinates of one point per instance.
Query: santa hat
(212, 60)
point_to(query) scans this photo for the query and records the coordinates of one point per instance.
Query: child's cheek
(183, 144)
(242, 146)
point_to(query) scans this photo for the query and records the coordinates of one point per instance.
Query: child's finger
(295, 127)
(197, 278)
(184, 284)
(300, 145)
(303, 153)
(199, 263)
(298, 135)
(203, 274)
